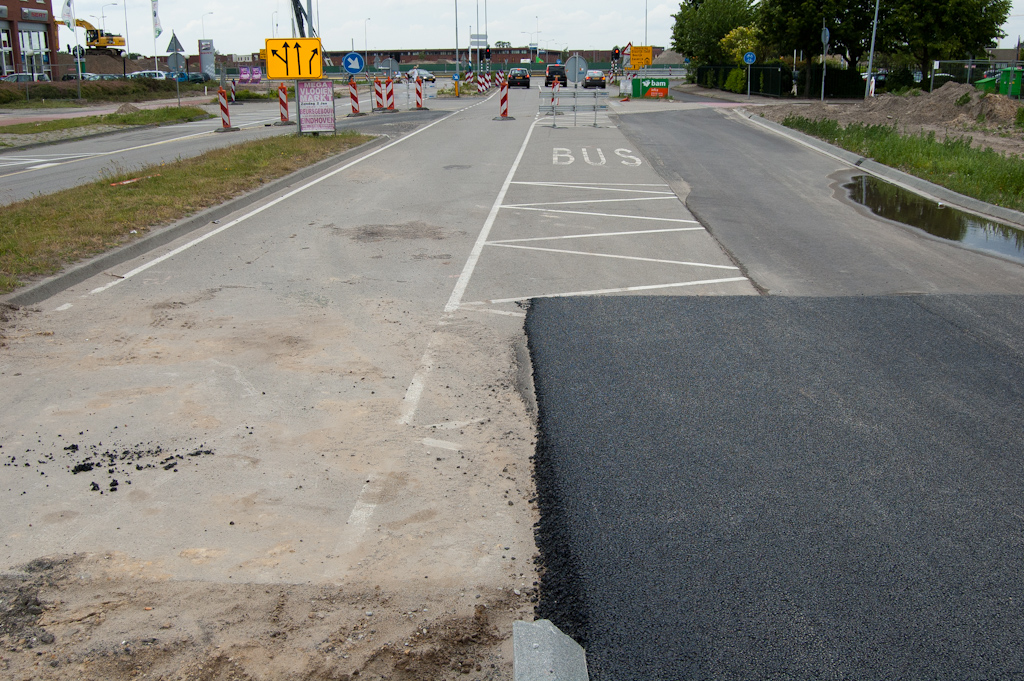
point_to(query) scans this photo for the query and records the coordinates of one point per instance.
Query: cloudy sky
(241, 26)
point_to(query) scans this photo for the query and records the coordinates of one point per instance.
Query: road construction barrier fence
(389, 94)
(576, 101)
(419, 93)
(378, 95)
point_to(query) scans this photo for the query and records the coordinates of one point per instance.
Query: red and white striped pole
(389, 94)
(419, 93)
(554, 92)
(378, 95)
(282, 98)
(503, 102)
(225, 117)
(353, 95)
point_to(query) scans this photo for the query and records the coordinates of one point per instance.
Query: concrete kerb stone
(76, 274)
(897, 177)
(543, 653)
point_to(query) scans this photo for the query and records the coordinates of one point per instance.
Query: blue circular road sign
(749, 58)
(354, 62)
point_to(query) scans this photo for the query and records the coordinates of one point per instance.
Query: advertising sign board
(316, 105)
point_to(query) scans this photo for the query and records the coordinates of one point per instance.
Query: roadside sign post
(175, 49)
(824, 59)
(575, 72)
(749, 58)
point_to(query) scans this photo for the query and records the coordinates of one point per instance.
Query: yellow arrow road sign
(294, 58)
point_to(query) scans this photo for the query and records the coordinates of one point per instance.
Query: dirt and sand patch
(955, 109)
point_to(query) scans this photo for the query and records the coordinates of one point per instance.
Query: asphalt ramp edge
(560, 598)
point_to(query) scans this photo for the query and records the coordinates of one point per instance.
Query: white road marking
(602, 215)
(599, 292)
(270, 204)
(442, 444)
(357, 521)
(599, 189)
(120, 151)
(507, 313)
(568, 203)
(478, 247)
(419, 381)
(619, 257)
(590, 236)
(65, 306)
(595, 184)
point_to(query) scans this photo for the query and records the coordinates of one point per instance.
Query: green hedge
(93, 90)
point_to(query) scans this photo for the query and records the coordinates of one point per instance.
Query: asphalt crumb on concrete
(103, 468)
(763, 487)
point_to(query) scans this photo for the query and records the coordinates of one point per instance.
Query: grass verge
(170, 114)
(953, 163)
(40, 236)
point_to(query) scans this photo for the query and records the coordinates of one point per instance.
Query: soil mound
(127, 109)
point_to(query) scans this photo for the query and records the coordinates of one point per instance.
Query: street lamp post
(202, 20)
(103, 17)
(366, 45)
(127, 48)
(273, 24)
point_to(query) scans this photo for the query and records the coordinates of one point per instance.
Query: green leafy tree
(948, 29)
(738, 42)
(701, 24)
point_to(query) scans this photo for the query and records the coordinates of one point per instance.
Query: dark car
(199, 77)
(555, 72)
(594, 78)
(520, 77)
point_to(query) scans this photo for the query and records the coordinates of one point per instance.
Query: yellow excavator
(99, 42)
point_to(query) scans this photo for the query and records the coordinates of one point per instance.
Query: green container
(1009, 82)
(990, 85)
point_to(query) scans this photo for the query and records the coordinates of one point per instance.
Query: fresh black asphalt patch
(783, 488)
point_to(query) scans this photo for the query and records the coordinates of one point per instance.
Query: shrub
(737, 81)
(1018, 118)
(965, 99)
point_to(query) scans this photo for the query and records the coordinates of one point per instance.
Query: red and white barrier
(282, 98)
(503, 107)
(389, 95)
(378, 95)
(232, 90)
(225, 117)
(554, 92)
(480, 82)
(419, 93)
(353, 96)
(488, 80)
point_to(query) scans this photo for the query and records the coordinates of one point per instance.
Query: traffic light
(616, 54)
(487, 53)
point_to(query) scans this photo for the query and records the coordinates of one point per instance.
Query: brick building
(28, 37)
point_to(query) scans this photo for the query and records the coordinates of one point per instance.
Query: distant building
(28, 37)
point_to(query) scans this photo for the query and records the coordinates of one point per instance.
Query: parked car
(26, 78)
(413, 74)
(85, 76)
(155, 75)
(519, 77)
(110, 76)
(199, 77)
(594, 78)
(555, 72)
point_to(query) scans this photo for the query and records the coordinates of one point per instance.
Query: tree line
(720, 31)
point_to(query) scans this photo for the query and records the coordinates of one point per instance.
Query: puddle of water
(895, 203)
